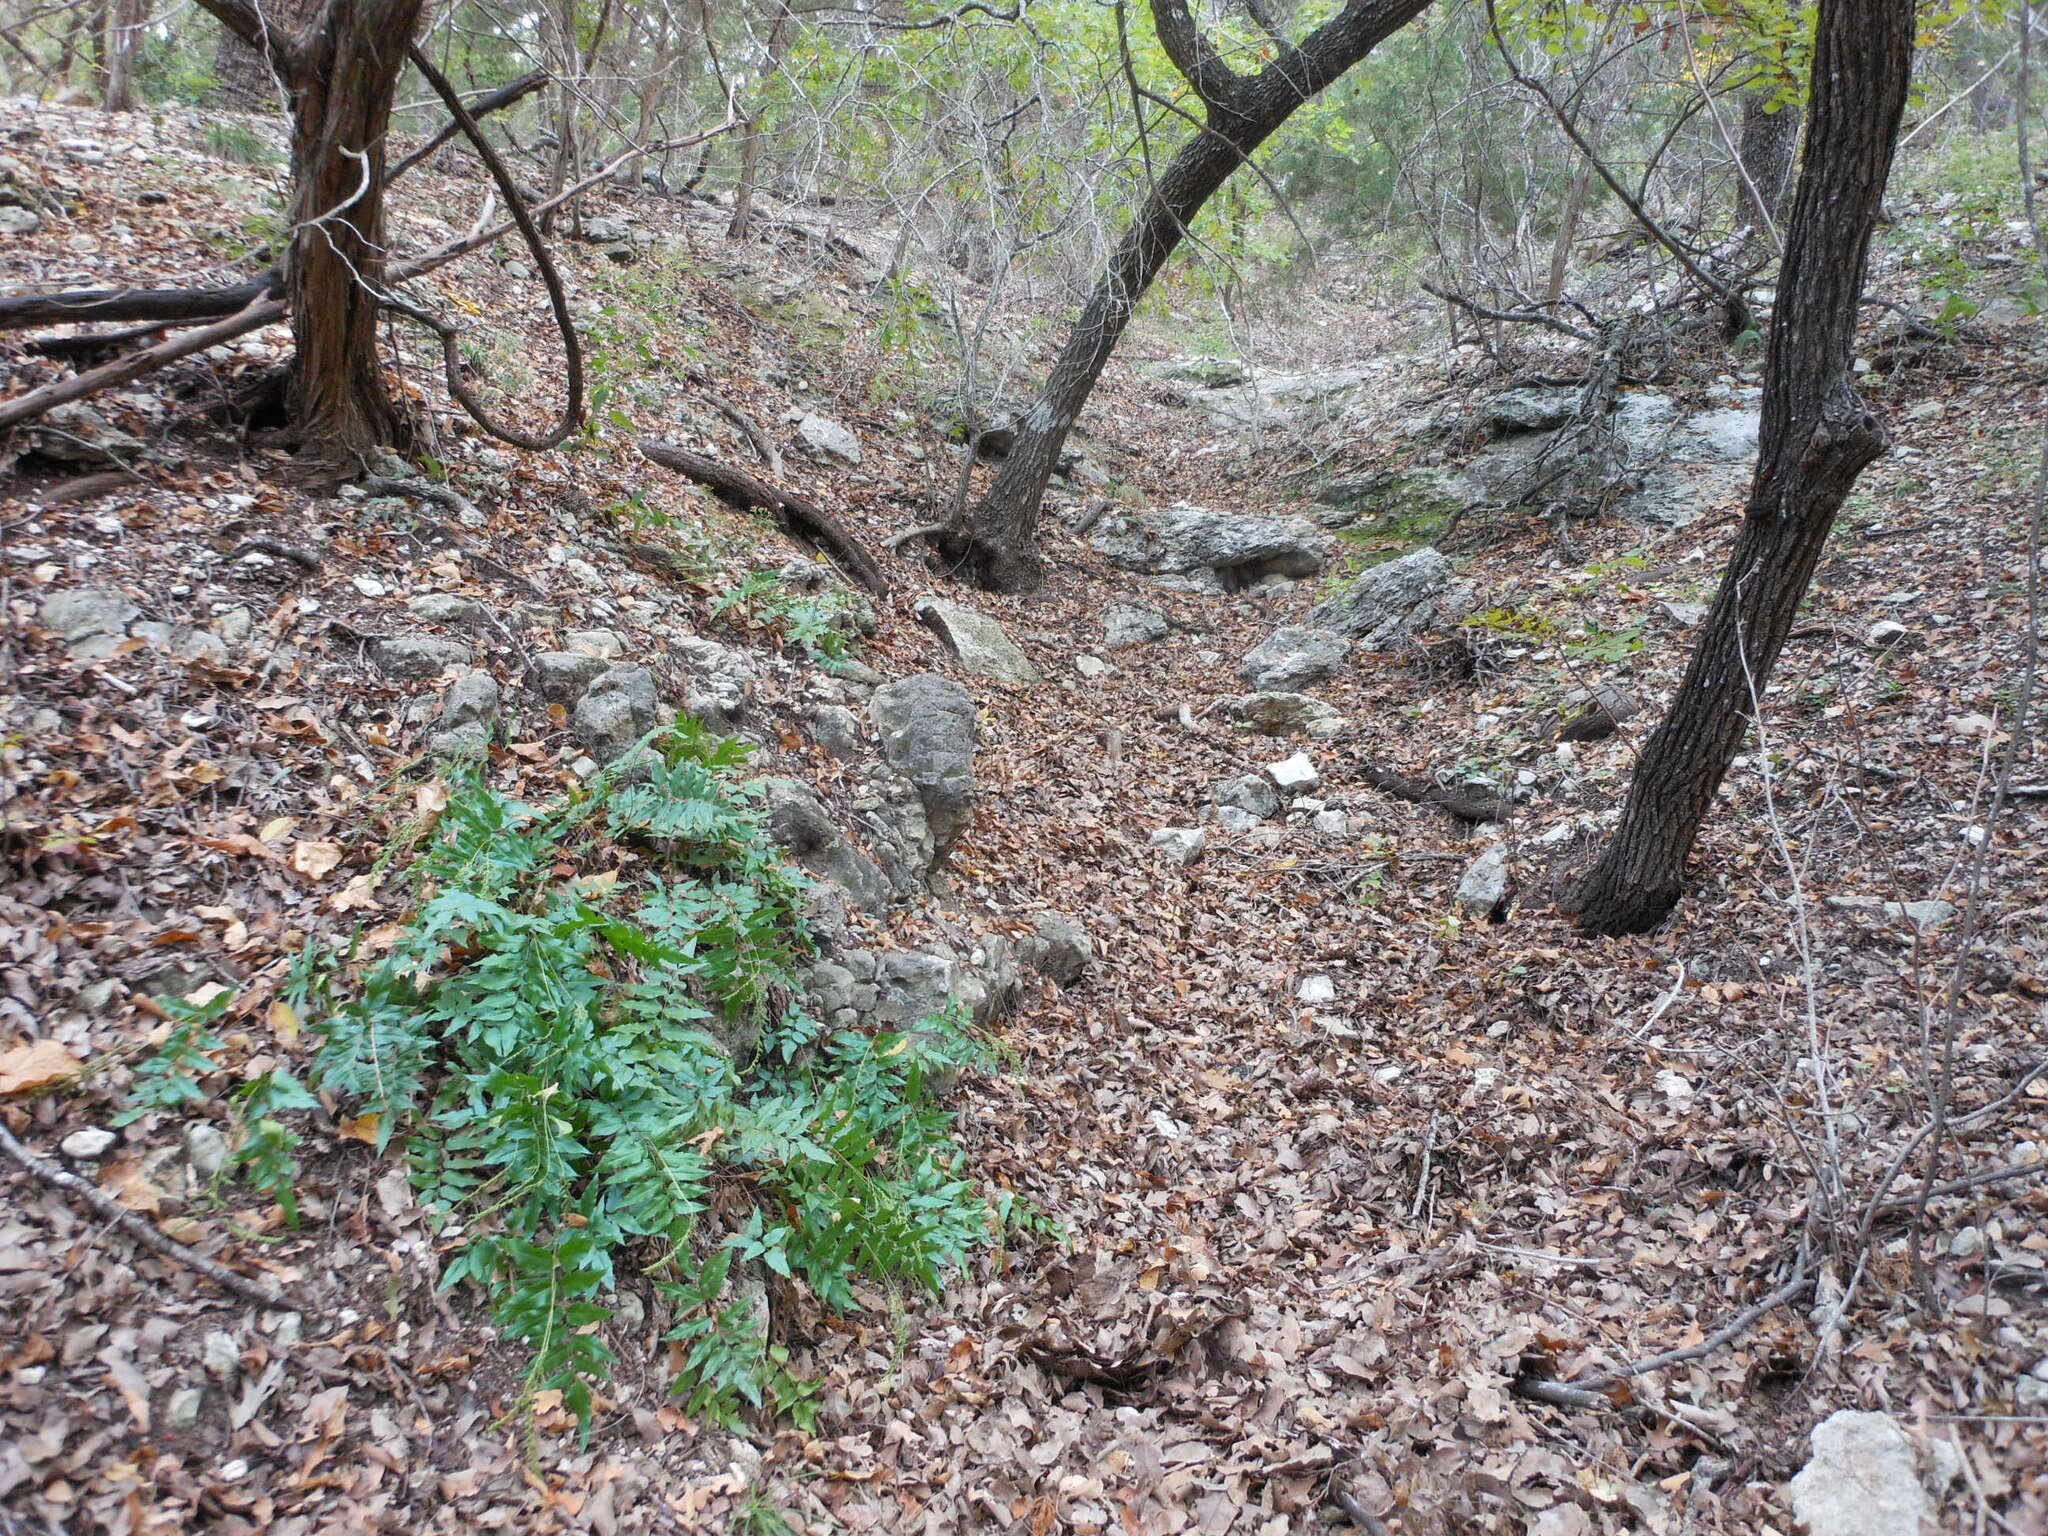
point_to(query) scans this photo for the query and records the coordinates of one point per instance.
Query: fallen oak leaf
(41, 1064)
(315, 858)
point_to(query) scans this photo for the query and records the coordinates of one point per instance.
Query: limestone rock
(1487, 889)
(978, 641)
(802, 826)
(88, 1145)
(621, 705)
(1294, 774)
(186, 642)
(927, 730)
(1532, 409)
(560, 677)
(605, 644)
(1398, 499)
(449, 608)
(1252, 794)
(825, 438)
(415, 658)
(1184, 845)
(1594, 714)
(1293, 656)
(719, 675)
(1281, 714)
(1862, 1480)
(837, 729)
(1092, 667)
(469, 716)
(1058, 947)
(1397, 601)
(91, 621)
(1217, 552)
(1133, 624)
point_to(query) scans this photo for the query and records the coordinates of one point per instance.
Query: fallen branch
(89, 341)
(760, 441)
(172, 306)
(260, 312)
(1465, 804)
(895, 542)
(86, 487)
(804, 519)
(107, 1208)
(1509, 316)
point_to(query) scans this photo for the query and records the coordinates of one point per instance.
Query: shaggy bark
(998, 545)
(1817, 437)
(341, 66)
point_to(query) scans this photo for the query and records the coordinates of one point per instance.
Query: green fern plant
(581, 1067)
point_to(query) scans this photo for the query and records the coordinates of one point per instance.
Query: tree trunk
(1816, 439)
(124, 37)
(241, 79)
(341, 111)
(1768, 148)
(750, 145)
(998, 545)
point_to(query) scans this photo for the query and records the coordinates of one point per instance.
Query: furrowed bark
(1817, 437)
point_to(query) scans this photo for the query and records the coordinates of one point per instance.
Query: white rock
(1292, 773)
(1316, 989)
(182, 1412)
(1333, 823)
(1092, 666)
(1484, 888)
(1885, 633)
(221, 1356)
(1184, 845)
(828, 439)
(206, 1149)
(1861, 1481)
(87, 1145)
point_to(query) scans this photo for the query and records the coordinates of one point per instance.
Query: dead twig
(107, 1208)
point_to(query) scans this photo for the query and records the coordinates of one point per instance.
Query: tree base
(1607, 905)
(991, 566)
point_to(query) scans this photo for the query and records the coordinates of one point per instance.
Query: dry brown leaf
(26, 1068)
(315, 858)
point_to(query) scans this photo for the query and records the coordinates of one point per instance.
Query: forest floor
(1317, 1251)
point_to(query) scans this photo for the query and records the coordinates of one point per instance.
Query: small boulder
(1282, 714)
(91, 621)
(1595, 714)
(1885, 634)
(719, 675)
(1217, 552)
(619, 708)
(1488, 888)
(1398, 601)
(1092, 667)
(927, 729)
(560, 677)
(1058, 947)
(469, 716)
(1292, 657)
(1862, 1480)
(88, 1145)
(449, 608)
(1250, 793)
(801, 825)
(825, 438)
(1132, 624)
(415, 658)
(837, 729)
(186, 642)
(1184, 845)
(1316, 990)
(978, 641)
(604, 644)
(1294, 775)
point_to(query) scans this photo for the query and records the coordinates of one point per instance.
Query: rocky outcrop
(1216, 552)
(1057, 947)
(620, 706)
(927, 731)
(415, 658)
(469, 716)
(91, 621)
(1133, 624)
(1292, 657)
(804, 829)
(1863, 1479)
(1398, 601)
(1286, 714)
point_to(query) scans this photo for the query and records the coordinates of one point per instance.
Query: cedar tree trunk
(341, 67)
(1817, 437)
(998, 545)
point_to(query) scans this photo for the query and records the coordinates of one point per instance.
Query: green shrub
(578, 1068)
